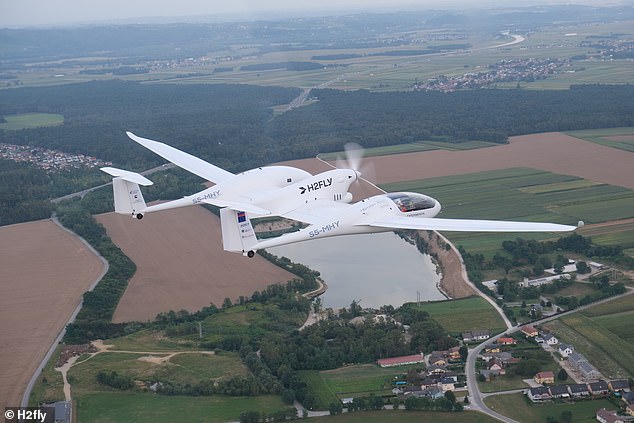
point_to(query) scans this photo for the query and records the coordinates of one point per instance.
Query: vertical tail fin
(128, 198)
(237, 232)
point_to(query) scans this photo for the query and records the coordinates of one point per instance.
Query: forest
(235, 127)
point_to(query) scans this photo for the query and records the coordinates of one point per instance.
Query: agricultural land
(45, 271)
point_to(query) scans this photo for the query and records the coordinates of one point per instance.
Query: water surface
(375, 269)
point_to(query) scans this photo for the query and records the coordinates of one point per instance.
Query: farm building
(401, 361)
(476, 335)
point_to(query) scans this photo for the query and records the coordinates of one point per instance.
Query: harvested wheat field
(181, 263)
(45, 271)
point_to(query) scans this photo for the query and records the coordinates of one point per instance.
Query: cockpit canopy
(409, 202)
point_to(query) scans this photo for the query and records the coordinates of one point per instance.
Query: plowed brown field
(181, 263)
(44, 272)
(552, 152)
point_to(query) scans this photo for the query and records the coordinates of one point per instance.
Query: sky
(19, 13)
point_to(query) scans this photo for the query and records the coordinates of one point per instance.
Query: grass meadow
(359, 380)
(403, 416)
(31, 120)
(519, 407)
(112, 407)
(465, 314)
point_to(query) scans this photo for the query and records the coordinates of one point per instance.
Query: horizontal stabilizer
(234, 205)
(127, 176)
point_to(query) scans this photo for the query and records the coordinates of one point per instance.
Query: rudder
(128, 198)
(238, 235)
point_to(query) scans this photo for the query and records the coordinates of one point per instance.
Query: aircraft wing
(467, 225)
(184, 160)
(317, 211)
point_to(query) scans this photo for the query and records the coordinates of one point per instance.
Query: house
(447, 384)
(565, 350)
(578, 390)
(559, 391)
(436, 359)
(620, 385)
(539, 394)
(428, 383)
(545, 377)
(400, 361)
(610, 416)
(507, 341)
(411, 389)
(504, 357)
(434, 369)
(588, 371)
(433, 392)
(574, 358)
(628, 399)
(550, 339)
(476, 335)
(492, 348)
(454, 353)
(598, 388)
(496, 367)
(529, 331)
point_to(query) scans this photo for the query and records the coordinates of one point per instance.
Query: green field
(528, 194)
(519, 407)
(402, 416)
(180, 369)
(601, 136)
(351, 381)
(31, 120)
(465, 314)
(49, 386)
(112, 407)
(603, 334)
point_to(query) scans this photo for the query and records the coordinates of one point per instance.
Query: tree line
(234, 126)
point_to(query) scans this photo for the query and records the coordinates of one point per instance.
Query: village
(49, 160)
(512, 70)
(441, 372)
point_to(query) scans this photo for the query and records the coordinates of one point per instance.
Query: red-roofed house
(545, 377)
(529, 331)
(506, 341)
(401, 361)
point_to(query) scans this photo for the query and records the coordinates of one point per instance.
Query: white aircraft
(272, 190)
(321, 201)
(381, 213)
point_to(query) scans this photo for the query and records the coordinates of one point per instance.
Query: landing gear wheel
(250, 254)
(139, 216)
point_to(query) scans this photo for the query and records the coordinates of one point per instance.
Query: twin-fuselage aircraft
(321, 201)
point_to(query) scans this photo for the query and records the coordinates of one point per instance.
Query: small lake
(374, 269)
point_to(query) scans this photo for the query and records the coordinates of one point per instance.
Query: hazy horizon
(20, 13)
